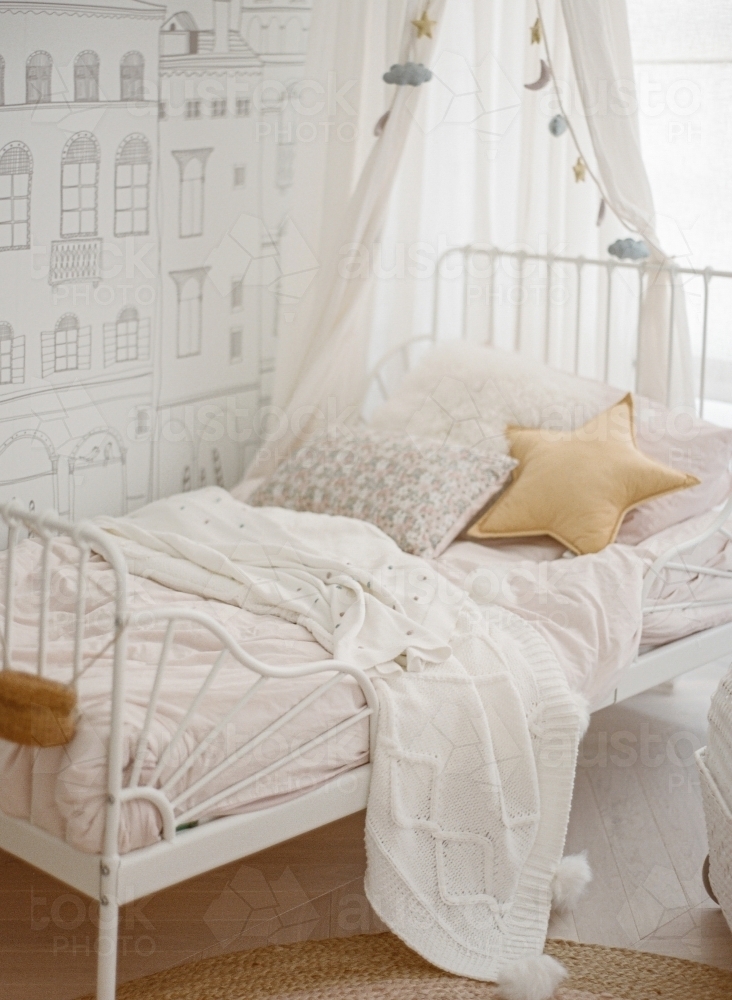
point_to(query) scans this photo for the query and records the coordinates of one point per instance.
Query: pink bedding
(582, 605)
(66, 793)
(586, 607)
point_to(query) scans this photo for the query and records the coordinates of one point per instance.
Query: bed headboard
(577, 314)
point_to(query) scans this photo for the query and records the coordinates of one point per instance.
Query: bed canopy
(462, 157)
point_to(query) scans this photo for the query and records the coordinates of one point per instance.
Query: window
(240, 176)
(127, 339)
(192, 165)
(235, 345)
(67, 348)
(86, 76)
(132, 77)
(189, 285)
(132, 186)
(67, 344)
(16, 169)
(285, 169)
(38, 78)
(128, 324)
(218, 108)
(6, 353)
(237, 293)
(243, 107)
(79, 183)
(12, 356)
(143, 422)
(2, 81)
(193, 109)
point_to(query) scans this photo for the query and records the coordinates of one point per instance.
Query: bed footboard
(177, 809)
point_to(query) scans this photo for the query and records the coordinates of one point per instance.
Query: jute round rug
(380, 967)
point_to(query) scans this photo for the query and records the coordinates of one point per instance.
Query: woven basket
(719, 832)
(36, 711)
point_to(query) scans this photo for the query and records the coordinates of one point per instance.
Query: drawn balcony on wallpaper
(137, 324)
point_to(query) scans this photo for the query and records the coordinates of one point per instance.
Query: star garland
(560, 123)
(424, 24)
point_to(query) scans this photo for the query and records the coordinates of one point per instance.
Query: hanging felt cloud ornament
(558, 125)
(629, 249)
(407, 74)
(542, 80)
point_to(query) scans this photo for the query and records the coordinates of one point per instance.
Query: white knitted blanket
(476, 746)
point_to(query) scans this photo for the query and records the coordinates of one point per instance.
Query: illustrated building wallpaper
(146, 154)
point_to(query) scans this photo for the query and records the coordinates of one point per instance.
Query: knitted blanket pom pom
(531, 978)
(570, 881)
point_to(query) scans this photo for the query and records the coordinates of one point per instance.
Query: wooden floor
(637, 811)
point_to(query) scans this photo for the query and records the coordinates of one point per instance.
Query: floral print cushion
(421, 495)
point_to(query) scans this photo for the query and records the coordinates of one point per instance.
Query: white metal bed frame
(115, 880)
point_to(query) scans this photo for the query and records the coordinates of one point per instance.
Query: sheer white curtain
(323, 348)
(465, 158)
(599, 39)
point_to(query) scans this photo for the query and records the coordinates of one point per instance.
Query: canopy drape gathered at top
(599, 39)
(464, 158)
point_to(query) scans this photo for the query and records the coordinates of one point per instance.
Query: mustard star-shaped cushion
(578, 486)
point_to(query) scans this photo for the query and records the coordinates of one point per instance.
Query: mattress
(586, 607)
(582, 604)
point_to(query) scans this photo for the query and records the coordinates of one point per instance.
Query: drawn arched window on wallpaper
(38, 78)
(79, 185)
(127, 339)
(189, 286)
(12, 355)
(132, 77)
(67, 348)
(192, 166)
(16, 171)
(132, 186)
(2, 81)
(86, 76)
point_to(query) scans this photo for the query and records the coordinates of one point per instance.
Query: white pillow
(464, 394)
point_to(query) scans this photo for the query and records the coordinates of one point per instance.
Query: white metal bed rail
(175, 808)
(568, 282)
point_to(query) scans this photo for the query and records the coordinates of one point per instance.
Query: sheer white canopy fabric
(322, 356)
(465, 158)
(599, 40)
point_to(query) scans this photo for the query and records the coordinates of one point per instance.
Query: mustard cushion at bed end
(578, 486)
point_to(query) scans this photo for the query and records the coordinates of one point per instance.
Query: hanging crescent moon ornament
(544, 78)
(601, 212)
(381, 123)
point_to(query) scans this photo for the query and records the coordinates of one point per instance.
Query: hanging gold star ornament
(580, 170)
(536, 32)
(424, 25)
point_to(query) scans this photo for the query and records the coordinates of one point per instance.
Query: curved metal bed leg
(107, 949)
